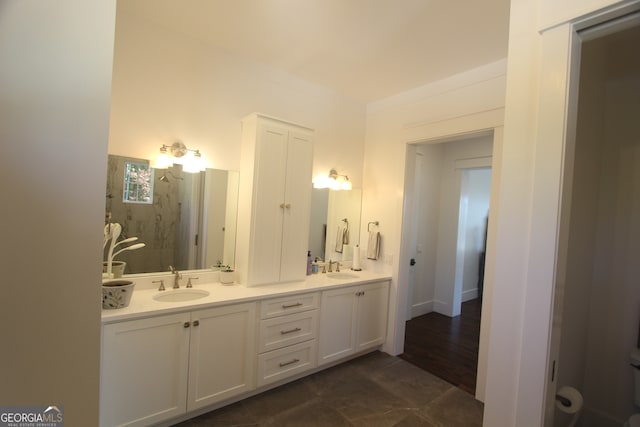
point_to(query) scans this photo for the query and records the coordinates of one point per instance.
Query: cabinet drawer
(286, 305)
(279, 364)
(279, 332)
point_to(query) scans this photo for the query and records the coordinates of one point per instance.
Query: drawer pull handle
(291, 362)
(298, 304)
(290, 331)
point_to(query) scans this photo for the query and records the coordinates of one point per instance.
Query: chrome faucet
(330, 264)
(176, 277)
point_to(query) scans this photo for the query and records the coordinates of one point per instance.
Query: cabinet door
(144, 371)
(373, 304)
(295, 231)
(222, 353)
(269, 203)
(337, 324)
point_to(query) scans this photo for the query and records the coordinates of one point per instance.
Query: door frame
(555, 143)
(407, 252)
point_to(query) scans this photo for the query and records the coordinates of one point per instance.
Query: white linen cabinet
(275, 201)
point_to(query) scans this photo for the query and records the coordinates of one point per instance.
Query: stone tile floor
(372, 390)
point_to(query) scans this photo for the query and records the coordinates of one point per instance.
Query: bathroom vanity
(168, 360)
(173, 354)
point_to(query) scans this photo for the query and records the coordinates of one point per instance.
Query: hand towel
(373, 248)
(340, 238)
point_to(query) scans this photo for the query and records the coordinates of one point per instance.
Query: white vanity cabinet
(287, 343)
(275, 201)
(145, 364)
(220, 358)
(352, 319)
(159, 368)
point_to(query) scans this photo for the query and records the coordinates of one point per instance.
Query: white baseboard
(421, 308)
(443, 308)
(469, 295)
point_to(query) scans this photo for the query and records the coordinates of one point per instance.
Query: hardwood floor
(446, 347)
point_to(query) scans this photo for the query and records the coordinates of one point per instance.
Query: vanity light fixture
(190, 159)
(333, 181)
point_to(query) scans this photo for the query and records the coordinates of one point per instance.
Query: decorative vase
(226, 277)
(116, 294)
(117, 269)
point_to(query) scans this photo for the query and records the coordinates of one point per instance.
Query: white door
(297, 199)
(373, 301)
(222, 354)
(337, 324)
(268, 207)
(144, 371)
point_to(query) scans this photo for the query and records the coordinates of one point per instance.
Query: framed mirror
(334, 227)
(188, 222)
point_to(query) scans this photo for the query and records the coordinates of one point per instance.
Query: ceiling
(364, 49)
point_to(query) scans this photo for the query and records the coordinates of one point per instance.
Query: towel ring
(376, 223)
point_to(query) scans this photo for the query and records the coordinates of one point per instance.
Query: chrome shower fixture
(164, 178)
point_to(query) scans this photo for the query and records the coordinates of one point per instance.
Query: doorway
(451, 190)
(597, 295)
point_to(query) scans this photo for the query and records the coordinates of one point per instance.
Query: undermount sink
(180, 295)
(342, 275)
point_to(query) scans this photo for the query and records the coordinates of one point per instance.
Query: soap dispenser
(308, 263)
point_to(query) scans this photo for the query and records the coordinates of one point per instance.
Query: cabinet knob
(287, 205)
(186, 324)
(196, 323)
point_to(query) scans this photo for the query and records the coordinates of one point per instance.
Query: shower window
(138, 183)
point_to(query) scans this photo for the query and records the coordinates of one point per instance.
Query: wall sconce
(178, 153)
(333, 181)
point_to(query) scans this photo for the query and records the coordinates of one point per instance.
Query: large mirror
(185, 220)
(334, 228)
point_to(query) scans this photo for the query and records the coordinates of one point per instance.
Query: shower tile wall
(155, 224)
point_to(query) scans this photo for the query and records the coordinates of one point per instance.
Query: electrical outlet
(388, 259)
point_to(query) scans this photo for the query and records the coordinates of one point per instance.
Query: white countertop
(143, 305)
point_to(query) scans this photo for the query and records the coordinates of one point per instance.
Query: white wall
(449, 266)
(168, 86)
(428, 175)
(56, 81)
(535, 111)
(462, 104)
(476, 189)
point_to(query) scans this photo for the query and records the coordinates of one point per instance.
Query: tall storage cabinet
(275, 201)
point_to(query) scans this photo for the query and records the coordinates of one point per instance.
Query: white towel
(373, 248)
(342, 238)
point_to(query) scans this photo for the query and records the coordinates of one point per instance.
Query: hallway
(446, 347)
